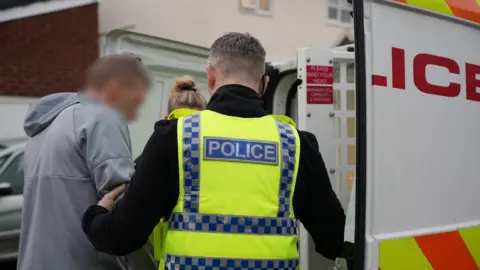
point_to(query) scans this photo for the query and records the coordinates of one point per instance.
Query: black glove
(348, 254)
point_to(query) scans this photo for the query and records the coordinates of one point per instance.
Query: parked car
(11, 199)
(5, 143)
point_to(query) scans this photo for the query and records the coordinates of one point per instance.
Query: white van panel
(423, 147)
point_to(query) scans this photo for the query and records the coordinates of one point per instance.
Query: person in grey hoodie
(79, 149)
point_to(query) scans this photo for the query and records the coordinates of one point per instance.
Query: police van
(397, 119)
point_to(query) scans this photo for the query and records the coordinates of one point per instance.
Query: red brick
(48, 53)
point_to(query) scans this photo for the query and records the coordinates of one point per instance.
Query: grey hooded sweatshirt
(78, 150)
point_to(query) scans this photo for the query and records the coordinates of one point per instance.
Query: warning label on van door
(319, 94)
(319, 74)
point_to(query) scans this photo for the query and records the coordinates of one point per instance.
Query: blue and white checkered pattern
(287, 140)
(233, 224)
(203, 263)
(191, 162)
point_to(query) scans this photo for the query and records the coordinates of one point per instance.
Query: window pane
(337, 100)
(250, 4)
(345, 16)
(336, 72)
(3, 159)
(351, 154)
(351, 73)
(339, 155)
(350, 179)
(340, 182)
(13, 175)
(338, 127)
(351, 127)
(332, 13)
(344, 3)
(264, 5)
(350, 100)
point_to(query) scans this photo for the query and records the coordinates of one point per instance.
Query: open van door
(317, 90)
(165, 60)
(418, 108)
(326, 107)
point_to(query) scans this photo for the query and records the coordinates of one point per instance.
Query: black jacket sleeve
(136, 161)
(315, 203)
(150, 196)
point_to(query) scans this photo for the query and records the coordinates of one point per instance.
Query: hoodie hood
(43, 111)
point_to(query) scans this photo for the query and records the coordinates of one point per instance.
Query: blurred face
(126, 96)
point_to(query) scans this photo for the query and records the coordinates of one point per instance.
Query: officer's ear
(263, 85)
(267, 80)
(211, 78)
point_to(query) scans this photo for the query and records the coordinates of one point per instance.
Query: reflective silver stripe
(204, 263)
(287, 140)
(233, 224)
(191, 162)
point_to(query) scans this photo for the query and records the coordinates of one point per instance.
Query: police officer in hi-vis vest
(185, 99)
(230, 181)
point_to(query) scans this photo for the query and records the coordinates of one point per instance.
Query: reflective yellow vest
(180, 112)
(285, 119)
(237, 177)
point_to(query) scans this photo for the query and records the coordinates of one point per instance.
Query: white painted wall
(12, 113)
(293, 24)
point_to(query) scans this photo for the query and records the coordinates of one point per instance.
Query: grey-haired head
(236, 58)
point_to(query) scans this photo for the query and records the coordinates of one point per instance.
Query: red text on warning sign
(319, 94)
(319, 74)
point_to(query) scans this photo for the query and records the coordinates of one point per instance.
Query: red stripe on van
(446, 251)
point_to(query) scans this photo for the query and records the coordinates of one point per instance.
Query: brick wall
(47, 53)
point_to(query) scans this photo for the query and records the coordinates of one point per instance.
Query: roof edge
(40, 8)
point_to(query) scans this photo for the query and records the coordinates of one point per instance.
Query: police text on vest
(240, 150)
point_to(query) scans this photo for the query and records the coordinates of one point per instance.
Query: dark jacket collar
(237, 100)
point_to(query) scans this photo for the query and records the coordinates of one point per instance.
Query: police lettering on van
(229, 149)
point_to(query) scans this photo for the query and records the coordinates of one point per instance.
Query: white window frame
(248, 6)
(340, 6)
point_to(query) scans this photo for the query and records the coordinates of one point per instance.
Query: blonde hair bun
(185, 95)
(184, 83)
